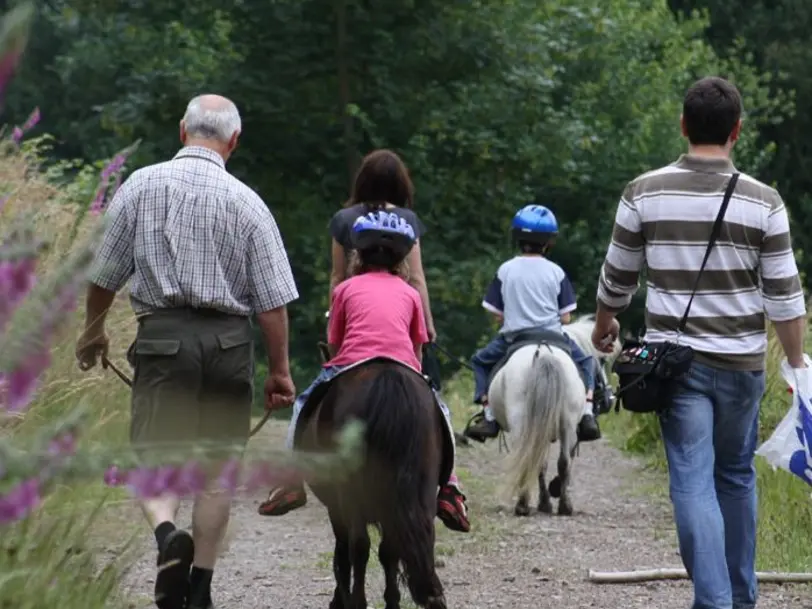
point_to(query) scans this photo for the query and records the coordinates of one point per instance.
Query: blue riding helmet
(383, 230)
(534, 224)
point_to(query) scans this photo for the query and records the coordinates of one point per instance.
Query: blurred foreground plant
(34, 307)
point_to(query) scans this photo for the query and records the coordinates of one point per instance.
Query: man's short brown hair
(711, 109)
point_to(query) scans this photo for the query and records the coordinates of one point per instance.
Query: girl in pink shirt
(375, 313)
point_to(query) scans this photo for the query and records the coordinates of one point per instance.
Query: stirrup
(477, 418)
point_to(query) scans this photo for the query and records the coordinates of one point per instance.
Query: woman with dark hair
(381, 182)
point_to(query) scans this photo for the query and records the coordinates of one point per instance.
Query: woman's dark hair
(377, 259)
(382, 178)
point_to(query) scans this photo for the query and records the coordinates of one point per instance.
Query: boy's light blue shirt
(530, 292)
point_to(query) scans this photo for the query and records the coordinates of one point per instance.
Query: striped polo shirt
(663, 224)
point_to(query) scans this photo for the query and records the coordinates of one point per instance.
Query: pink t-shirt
(373, 315)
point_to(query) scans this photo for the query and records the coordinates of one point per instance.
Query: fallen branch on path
(648, 575)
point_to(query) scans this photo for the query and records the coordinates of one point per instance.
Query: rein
(106, 363)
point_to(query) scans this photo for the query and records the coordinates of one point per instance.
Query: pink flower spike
(97, 205)
(20, 384)
(191, 479)
(17, 135)
(32, 120)
(113, 476)
(229, 478)
(20, 501)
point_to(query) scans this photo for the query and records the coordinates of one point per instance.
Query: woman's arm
(339, 270)
(417, 278)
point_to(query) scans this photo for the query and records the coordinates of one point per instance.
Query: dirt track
(535, 563)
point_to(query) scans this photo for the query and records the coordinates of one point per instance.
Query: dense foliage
(491, 105)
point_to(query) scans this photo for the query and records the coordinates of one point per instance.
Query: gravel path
(538, 562)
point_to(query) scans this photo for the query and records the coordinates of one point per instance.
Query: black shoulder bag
(648, 372)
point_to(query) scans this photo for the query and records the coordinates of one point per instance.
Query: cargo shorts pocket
(155, 346)
(234, 363)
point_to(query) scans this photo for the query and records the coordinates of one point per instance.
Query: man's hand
(432, 332)
(605, 334)
(279, 391)
(90, 347)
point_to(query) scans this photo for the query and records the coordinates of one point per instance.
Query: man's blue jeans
(710, 435)
(486, 358)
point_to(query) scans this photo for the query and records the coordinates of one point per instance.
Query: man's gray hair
(212, 121)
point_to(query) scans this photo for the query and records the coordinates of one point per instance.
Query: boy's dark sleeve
(566, 297)
(493, 300)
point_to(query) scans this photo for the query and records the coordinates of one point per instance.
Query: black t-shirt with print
(341, 223)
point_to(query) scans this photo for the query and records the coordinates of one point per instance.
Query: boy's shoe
(283, 499)
(588, 429)
(480, 429)
(451, 509)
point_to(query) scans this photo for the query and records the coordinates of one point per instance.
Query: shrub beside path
(538, 562)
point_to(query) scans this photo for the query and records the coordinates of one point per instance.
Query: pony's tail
(398, 433)
(538, 421)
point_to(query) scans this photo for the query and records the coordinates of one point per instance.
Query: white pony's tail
(538, 420)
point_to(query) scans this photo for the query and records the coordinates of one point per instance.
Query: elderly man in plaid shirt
(204, 253)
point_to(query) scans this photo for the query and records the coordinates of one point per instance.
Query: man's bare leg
(210, 517)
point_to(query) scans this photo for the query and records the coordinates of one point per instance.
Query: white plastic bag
(790, 445)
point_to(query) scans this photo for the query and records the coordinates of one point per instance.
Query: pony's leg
(387, 554)
(359, 554)
(522, 504)
(341, 564)
(564, 467)
(545, 503)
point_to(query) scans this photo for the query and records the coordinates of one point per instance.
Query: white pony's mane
(580, 331)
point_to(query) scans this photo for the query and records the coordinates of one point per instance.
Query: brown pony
(395, 489)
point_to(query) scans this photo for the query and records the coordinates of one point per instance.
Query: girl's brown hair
(382, 178)
(375, 260)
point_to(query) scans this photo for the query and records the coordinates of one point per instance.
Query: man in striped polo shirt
(664, 221)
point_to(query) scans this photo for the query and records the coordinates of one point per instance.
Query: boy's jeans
(486, 358)
(710, 436)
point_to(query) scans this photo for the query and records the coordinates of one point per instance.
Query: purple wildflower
(17, 386)
(63, 445)
(30, 122)
(20, 500)
(146, 483)
(229, 478)
(32, 119)
(103, 192)
(113, 476)
(191, 479)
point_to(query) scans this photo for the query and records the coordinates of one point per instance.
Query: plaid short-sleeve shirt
(189, 234)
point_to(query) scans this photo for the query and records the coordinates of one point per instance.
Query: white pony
(538, 399)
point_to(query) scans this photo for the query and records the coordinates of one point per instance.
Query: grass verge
(71, 552)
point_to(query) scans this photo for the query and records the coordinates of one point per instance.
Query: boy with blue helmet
(529, 292)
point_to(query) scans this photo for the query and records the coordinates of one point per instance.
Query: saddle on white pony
(531, 337)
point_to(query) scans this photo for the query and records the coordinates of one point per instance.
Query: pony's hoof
(521, 510)
(546, 508)
(555, 487)
(564, 509)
